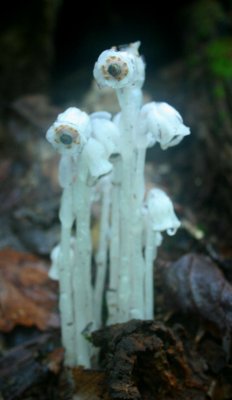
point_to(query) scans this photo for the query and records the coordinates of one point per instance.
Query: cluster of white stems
(103, 159)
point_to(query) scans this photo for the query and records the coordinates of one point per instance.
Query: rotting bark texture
(146, 360)
(86, 384)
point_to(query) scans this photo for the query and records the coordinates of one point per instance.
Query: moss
(193, 60)
(223, 115)
(206, 15)
(204, 19)
(219, 91)
(219, 54)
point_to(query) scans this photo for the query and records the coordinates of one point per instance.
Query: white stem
(137, 295)
(66, 298)
(139, 176)
(101, 257)
(65, 272)
(150, 255)
(130, 102)
(112, 293)
(82, 271)
(126, 241)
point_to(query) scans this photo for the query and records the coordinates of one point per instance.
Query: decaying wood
(89, 385)
(146, 360)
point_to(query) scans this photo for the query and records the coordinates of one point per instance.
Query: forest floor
(186, 352)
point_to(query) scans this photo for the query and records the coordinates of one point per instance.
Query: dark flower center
(114, 70)
(66, 138)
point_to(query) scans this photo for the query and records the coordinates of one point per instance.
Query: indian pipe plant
(103, 158)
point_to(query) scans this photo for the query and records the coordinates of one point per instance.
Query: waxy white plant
(98, 153)
(83, 159)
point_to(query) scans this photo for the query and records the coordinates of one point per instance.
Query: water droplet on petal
(171, 231)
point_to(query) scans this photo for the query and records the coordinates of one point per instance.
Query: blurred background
(47, 44)
(48, 49)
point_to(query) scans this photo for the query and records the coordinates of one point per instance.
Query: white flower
(96, 158)
(106, 132)
(118, 69)
(159, 122)
(54, 269)
(101, 115)
(161, 213)
(70, 131)
(55, 259)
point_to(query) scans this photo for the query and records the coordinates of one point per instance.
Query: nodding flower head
(162, 123)
(106, 132)
(161, 213)
(70, 131)
(117, 69)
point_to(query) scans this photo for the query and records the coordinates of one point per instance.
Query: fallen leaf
(195, 284)
(27, 296)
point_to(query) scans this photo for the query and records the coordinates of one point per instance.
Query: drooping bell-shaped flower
(106, 132)
(55, 259)
(117, 69)
(159, 122)
(70, 131)
(161, 212)
(96, 158)
(54, 269)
